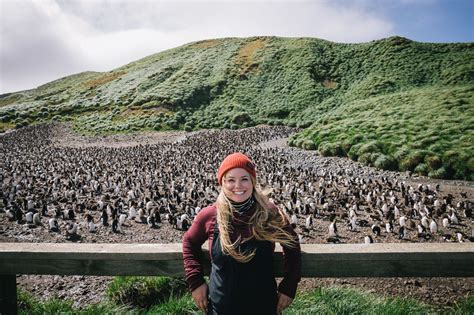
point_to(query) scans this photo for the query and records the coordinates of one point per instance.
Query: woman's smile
(237, 185)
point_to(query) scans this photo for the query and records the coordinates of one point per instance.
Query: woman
(242, 228)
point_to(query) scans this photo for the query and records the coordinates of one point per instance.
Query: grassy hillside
(393, 103)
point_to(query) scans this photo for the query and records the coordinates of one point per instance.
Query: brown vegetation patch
(207, 43)
(330, 84)
(103, 79)
(157, 109)
(246, 55)
(132, 112)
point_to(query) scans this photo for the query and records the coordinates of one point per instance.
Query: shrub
(354, 151)
(188, 128)
(303, 124)
(291, 142)
(356, 139)
(411, 161)
(422, 169)
(240, 118)
(385, 162)
(450, 157)
(330, 149)
(470, 164)
(366, 158)
(346, 146)
(439, 173)
(308, 145)
(370, 147)
(433, 162)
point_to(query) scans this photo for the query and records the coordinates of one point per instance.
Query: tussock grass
(397, 92)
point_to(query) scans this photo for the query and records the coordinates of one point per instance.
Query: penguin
(446, 223)
(71, 215)
(151, 221)
(368, 239)
(141, 217)
(454, 218)
(396, 212)
(122, 218)
(424, 222)
(182, 222)
(71, 230)
(433, 227)
(389, 227)
(29, 217)
(132, 213)
(53, 225)
(90, 224)
(105, 218)
(157, 217)
(353, 224)
(293, 221)
(44, 210)
(421, 229)
(10, 215)
(376, 230)
(468, 212)
(403, 221)
(116, 226)
(309, 222)
(36, 219)
(301, 240)
(185, 224)
(333, 229)
(402, 233)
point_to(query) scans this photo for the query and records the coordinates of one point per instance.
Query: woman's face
(237, 185)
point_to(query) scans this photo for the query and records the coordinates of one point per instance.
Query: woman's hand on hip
(283, 302)
(200, 297)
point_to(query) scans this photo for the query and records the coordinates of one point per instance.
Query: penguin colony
(79, 194)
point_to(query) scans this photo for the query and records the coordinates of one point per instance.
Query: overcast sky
(43, 40)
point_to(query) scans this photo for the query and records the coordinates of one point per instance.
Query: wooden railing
(318, 260)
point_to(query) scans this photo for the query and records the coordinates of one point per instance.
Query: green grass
(398, 92)
(331, 300)
(144, 292)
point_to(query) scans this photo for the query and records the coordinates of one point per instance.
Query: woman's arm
(292, 265)
(192, 242)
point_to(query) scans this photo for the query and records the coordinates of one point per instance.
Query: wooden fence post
(8, 299)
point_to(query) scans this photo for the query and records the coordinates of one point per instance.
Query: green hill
(392, 103)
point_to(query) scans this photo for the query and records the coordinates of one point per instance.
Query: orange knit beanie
(236, 160)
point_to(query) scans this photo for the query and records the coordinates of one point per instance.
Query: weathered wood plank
(319, 260)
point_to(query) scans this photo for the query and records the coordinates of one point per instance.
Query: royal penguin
(53, 225)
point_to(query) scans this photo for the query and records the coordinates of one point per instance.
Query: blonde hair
(266, 224)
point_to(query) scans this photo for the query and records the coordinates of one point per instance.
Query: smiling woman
(242, 228)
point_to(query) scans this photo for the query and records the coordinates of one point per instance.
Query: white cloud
(45, 39)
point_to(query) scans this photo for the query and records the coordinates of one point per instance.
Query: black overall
(242, 288)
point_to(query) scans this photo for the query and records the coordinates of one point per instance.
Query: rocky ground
(83, 290)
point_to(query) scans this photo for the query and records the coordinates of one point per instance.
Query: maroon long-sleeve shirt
(202, 229)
